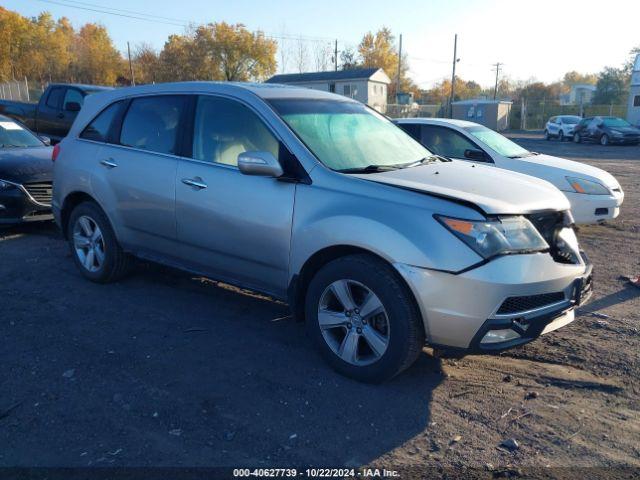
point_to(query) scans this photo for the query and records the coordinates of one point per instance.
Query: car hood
(626, 130)
(555, 169)
(493, 190)
(25, 165)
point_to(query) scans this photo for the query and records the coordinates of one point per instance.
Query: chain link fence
(415, 110)
(538, 113)
(21, 90)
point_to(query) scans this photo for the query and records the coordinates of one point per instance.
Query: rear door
(136, 173)
(236, 227)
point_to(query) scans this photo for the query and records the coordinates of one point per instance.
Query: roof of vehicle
(82, 86)
(481, 101)
(356, 73)
(264, 90)
(438, 121)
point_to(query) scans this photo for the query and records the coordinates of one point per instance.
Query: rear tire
(94, 247)
(372, 345)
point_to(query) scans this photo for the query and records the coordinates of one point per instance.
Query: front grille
(531, 302)
(40, 192)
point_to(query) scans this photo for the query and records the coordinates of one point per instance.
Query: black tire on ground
(604, 140)
(577, 138)
(116, 263)
(547, 137)
(561, 136)
(406, 329)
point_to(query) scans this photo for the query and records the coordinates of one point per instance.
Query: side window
(636, 101)
(412, 129)
(72, 95)
(55, 97)
(223, 129)
(446, 142)
(98, 129)
(152, 123)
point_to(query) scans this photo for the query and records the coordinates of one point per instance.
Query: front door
(235, 226)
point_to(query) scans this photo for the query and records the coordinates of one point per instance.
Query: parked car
(316, 199)
(595, 195)
(25, 174)
(55, 111)
(561, 127)
(606, 130)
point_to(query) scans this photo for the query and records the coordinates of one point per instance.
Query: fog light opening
(498, 336)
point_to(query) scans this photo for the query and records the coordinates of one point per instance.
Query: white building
(580, 94)
(633, 112)
(367, 85)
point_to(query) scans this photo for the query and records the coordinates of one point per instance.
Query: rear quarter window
(100, 127)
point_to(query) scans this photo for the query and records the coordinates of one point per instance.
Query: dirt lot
(164, 369)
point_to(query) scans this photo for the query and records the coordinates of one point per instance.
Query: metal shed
(493, 114)
(633, 112)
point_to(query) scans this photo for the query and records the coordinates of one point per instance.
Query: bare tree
(301, 55)
(322, 56)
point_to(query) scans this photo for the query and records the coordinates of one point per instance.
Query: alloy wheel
(88, 243)
(353, 322)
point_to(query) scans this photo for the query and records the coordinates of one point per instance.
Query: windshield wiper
(523, 155)
(429, 159)
(369, 169)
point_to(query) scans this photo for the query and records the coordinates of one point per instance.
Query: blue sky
(539, 39)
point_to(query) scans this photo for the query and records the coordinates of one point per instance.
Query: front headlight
(4, 185)
(489, 238)
(580, 185)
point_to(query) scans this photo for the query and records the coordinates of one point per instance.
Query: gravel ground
(167, 369)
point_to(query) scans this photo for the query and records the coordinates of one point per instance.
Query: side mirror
(45, 140)
(262, 164)
(72, 107)
(475, 155)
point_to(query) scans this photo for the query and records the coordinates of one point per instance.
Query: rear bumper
(459, 310)
(594, 208)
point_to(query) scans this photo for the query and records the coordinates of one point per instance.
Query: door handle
(196, 183)
(109, 163)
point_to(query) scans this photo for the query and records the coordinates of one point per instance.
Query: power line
(134, 15)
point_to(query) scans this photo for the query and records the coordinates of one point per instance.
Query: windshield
(347, 135)
(14, 135)
(499, 143)
(571, 120)
(615, 122)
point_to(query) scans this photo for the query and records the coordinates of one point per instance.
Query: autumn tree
(146, 64)
(611, 87)
(573, 78)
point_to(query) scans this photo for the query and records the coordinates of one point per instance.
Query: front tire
(561, 136)
(547, 137)
(577, 138)
(363, 318)
(94, 247)
(604, 140)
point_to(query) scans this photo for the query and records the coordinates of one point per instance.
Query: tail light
(56, 152)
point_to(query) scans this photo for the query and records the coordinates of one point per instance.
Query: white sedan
(595, 195)
(561, 127)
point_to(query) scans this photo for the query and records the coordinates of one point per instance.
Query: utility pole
(399, 70)
(495, 90)
(133, 78)
(453, 75)
(335, 55)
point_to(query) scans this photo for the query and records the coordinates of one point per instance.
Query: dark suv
(606, 130)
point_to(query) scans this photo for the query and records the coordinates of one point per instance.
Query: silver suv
(381, 246)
